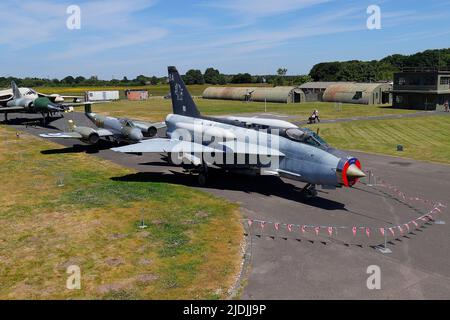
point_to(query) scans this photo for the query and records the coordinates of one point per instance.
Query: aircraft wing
(63, 135)
(159, 145)
(239, 147)
(10, 109)
(81, 104)
(145, 124)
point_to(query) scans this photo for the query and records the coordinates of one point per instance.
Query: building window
(358, 95)
(445, 80)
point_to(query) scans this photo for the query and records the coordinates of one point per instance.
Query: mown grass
(154, 90)
(189, 250)
(423, 138)
(158, 108)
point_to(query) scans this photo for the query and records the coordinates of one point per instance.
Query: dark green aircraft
(35, 104)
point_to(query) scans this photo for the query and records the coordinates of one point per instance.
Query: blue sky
(127, 38)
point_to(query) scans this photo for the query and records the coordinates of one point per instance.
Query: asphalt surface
(289, 265)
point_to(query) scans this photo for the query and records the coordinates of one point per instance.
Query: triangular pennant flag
(400, 229)
(250, 222)
(277, 226)
(415, 223)
(354, 231)
(303, 229)
(289, 227)
(368, 232)
(392, 231)
(382, 231)
(317, 229)
(330, 231)
(407, 226)
(262, 224)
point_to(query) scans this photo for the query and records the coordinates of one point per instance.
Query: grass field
(154, 90)
(158, 108)
(191, 248)
(424, 138)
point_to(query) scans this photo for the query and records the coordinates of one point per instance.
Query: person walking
(446, 106)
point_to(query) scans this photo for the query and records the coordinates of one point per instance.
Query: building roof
(318, 84)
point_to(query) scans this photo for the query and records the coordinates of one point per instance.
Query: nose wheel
(309, 191)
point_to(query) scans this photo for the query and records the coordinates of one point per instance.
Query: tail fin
(16, 91)
(182, 102)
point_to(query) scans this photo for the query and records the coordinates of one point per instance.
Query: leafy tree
(242, 78)
(194, 77)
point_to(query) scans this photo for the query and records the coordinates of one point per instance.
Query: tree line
(355, 70)
(378, 70)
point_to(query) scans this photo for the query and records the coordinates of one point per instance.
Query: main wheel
(201, 179)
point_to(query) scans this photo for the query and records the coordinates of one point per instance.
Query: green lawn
(157, 109)
(154, 90)
(190, 250)
(424, 138)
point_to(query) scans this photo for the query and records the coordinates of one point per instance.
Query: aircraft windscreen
(306, 136)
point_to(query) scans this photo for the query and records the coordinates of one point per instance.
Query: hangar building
(359, 93)
(314, 90)
(421, 88)
(270, 94)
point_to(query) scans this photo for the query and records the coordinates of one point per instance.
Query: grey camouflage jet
(109, 128)
(34, 103)
(195, 141)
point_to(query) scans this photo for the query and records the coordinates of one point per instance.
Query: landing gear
(309, 191)
(202, 177)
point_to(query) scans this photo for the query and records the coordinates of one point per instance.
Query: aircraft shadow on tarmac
(82, 148)
(264, 185)
(32, 122)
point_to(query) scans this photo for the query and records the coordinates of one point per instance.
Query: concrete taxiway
(292, 266)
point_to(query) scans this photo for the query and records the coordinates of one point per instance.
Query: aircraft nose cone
(353, 172)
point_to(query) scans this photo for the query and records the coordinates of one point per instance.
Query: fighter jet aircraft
(8, 94)
(110, 128)
(32, 102)
(203, 142)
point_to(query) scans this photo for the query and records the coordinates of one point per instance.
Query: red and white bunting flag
(262, 224)
(354, 231)
(382, 231)
(415, 224)
(317, 229)
(407, 226)
(368, 232)
(303, 229)
(392, 231)
(330, 231)
(400, 229)
(289, 227)
(423, 219)
(277, 226)
(250, 222)
(437, 209)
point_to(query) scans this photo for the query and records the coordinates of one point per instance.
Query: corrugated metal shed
(359, 93)
(261, 94)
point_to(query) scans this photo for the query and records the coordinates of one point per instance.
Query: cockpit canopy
(127, 123)
(306, 136)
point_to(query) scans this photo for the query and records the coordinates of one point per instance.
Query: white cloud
(263, 8)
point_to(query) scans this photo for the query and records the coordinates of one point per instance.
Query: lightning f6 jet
(247, 145)
(110, 128)
(25, 100)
